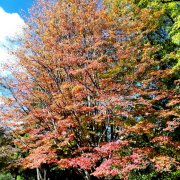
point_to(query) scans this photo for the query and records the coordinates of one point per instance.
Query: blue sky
(15, 6)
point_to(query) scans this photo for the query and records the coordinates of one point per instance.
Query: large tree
(89, 93)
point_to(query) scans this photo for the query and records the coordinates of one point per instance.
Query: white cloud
(11, 26)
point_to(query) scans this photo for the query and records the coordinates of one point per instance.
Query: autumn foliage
(89, 92)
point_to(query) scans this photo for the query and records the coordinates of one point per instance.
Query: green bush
(6, 176)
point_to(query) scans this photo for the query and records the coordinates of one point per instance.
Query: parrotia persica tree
(90, 94)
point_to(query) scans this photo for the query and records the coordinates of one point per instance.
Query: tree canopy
(96, 89)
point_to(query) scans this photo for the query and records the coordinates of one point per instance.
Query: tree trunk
(87, 175)
(38, 174)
